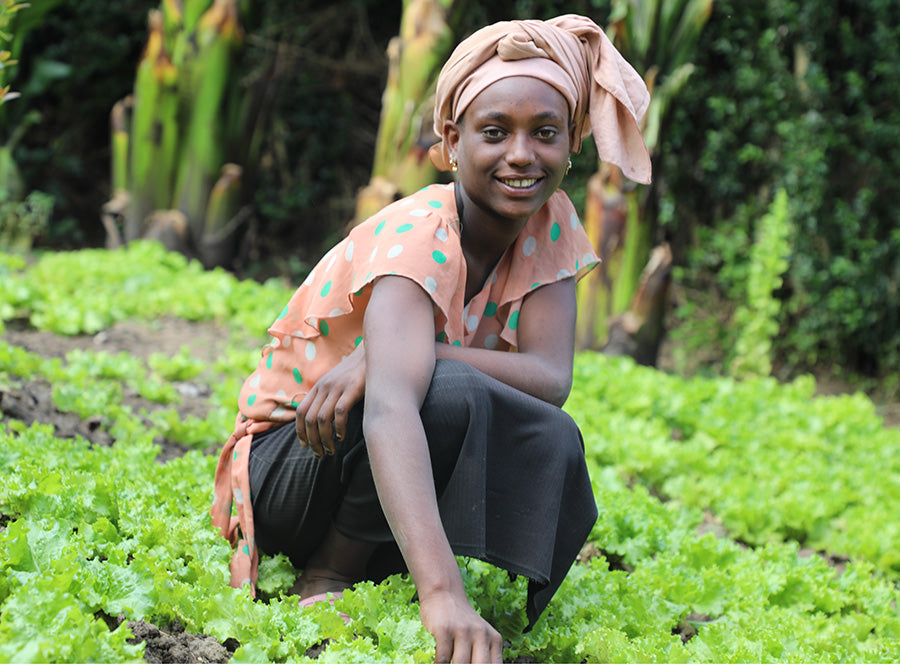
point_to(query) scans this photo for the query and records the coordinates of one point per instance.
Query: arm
(399, 334)
(543, 365)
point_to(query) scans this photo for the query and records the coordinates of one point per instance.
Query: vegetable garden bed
(739, 521)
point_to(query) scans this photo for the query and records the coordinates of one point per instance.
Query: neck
(483, 239)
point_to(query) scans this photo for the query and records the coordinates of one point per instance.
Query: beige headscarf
(606, 96)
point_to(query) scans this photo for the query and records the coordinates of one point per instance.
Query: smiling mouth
(519, 183)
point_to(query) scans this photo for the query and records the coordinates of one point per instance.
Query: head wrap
(606, 96)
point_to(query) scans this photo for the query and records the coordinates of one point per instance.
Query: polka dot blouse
(416, 237)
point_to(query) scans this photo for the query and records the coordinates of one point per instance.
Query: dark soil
(174, 646)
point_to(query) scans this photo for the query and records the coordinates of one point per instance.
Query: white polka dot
(395, 251)
(287, 341)
(348, 253)
(430, 284)
(529, 245)
(562, 274)
(441, 234)
(281, 394)
(372, 257)
(276, 342)
(309, 278)
(254, 381)
(404, 202)
(472, 323)
(331, 262)
(238, 496)
(573, 220)
(418, 213)
(588, 258)
(494, 278)
(278, 413)
(490, 341)
(335, 313)
(310, 351)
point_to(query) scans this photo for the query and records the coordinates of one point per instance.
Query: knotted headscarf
(606, 96)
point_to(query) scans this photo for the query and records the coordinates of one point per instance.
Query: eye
(547, 133)
(492, 133)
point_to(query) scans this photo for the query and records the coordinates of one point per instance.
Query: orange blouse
(417, 237)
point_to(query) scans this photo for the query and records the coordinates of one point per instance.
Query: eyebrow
(544, 115)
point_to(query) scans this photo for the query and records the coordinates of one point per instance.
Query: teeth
(520, 184)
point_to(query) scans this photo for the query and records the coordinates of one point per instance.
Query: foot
(314, 582)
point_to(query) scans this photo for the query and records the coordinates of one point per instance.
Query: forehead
(519, 95)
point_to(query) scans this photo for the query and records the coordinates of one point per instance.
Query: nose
(520, 151)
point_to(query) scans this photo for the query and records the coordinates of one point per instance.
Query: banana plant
(182, 142)
(621, 312)
(415, 56)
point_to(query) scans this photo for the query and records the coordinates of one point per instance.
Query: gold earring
(453, 165)
(569, 166)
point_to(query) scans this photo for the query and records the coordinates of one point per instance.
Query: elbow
(558, 389)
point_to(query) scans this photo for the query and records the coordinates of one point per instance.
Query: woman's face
(512, 146)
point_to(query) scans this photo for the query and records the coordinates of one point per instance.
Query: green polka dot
(535, 285)
(442, 337)
(359, 292)
(246, 550)
(438, 257)
(514, 320)
(357, 342)
(402, 228)
(326, 289)
(297, 377)
(269, 361)
(554, 232)
(251, 400)
(435, 204)
(284, 312)
(235, 455)
(323, 328)
(490, 309)
(380, 227)
(457, 343)
(295, 404)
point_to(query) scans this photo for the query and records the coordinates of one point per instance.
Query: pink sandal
(323, 597)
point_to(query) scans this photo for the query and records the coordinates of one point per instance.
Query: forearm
(531, 373)
(401, 467)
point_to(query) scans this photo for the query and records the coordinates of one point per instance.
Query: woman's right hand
(460, 634)
(322, 414)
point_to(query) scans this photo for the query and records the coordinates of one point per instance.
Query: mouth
(520, 184)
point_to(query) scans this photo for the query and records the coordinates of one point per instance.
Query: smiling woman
(387, 426)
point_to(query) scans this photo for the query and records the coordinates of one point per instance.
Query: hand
(461, 635)
(322, 414)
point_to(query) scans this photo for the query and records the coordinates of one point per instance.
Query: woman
(387, 414)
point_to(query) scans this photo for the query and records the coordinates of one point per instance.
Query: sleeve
(416, 237)
(553, 246)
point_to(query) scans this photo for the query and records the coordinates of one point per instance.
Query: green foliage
(796, 95)
(89, 532)
(757, 319)
(22, 221)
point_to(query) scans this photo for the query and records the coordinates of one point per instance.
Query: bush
(797, 95)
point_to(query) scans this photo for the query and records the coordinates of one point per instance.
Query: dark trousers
(509, 474)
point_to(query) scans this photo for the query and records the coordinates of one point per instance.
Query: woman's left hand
(322, 414)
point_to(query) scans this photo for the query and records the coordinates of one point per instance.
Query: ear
(574, 147)
(450, 136)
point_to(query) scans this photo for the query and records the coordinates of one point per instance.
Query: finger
(462, 650)
(311, 422)
(325, 424)
(496, 654)
(443, 648)
(302, 411)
